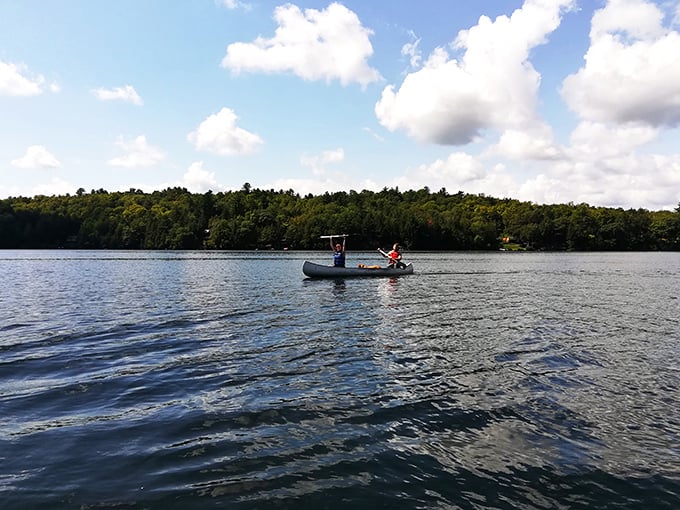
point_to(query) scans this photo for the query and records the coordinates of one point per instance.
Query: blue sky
(549, 101)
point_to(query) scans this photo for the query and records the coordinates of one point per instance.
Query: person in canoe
(394, 257)
(338, 252)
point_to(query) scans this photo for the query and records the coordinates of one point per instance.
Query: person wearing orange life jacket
(394, 257)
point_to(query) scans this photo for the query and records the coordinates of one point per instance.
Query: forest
(247, 219)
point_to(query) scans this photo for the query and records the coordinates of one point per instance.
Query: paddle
(335, 235)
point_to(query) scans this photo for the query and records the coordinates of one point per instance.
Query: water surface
(228, 380)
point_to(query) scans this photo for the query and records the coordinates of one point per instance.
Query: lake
(180, 380)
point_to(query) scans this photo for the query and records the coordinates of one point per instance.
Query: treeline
(267, 219)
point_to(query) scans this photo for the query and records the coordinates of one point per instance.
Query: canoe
(320, 271)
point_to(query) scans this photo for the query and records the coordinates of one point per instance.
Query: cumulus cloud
(329, 44)
(632, 69)
(611, 182)
(593, 140)
(138, 153)
(493, 85)
(459, 167)
(460, 171)
(619, 176)
(37, 156)
(626, 97)
(521, 145)
(603, 165)
(638, 18)
(198, 180)
(127, 94)
(15, 80)
(606, 165)
(319, 162)
(220, 134)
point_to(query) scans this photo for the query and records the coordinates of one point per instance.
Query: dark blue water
(228, 380)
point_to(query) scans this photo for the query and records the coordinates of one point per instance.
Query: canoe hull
(313, 270)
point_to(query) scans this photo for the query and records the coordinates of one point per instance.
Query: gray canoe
(320, 271)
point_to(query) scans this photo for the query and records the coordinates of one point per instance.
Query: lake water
(178, 380)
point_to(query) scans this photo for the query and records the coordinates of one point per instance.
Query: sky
(547, 101)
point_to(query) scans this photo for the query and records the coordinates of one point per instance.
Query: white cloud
(126, 94)
(16, 81)
(626, 96)
(459, 167)
(219, 134)
(198, 180)
(605, 165)
(37, 156)
(315, 44)
(459, 171)
(373, 134)
(233, 4)
(543, 189)
(638, 18)
(619, 178)
(611, 182)
(56, 187)
(593, 141)
(412, 51)
(493, 85)
(319, 162)
(632, 70)
(138, 153)
(322, 179)
(520, 145)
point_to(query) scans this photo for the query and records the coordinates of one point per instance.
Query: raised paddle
(335, 235)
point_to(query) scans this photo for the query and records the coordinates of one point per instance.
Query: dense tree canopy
(253, 218)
